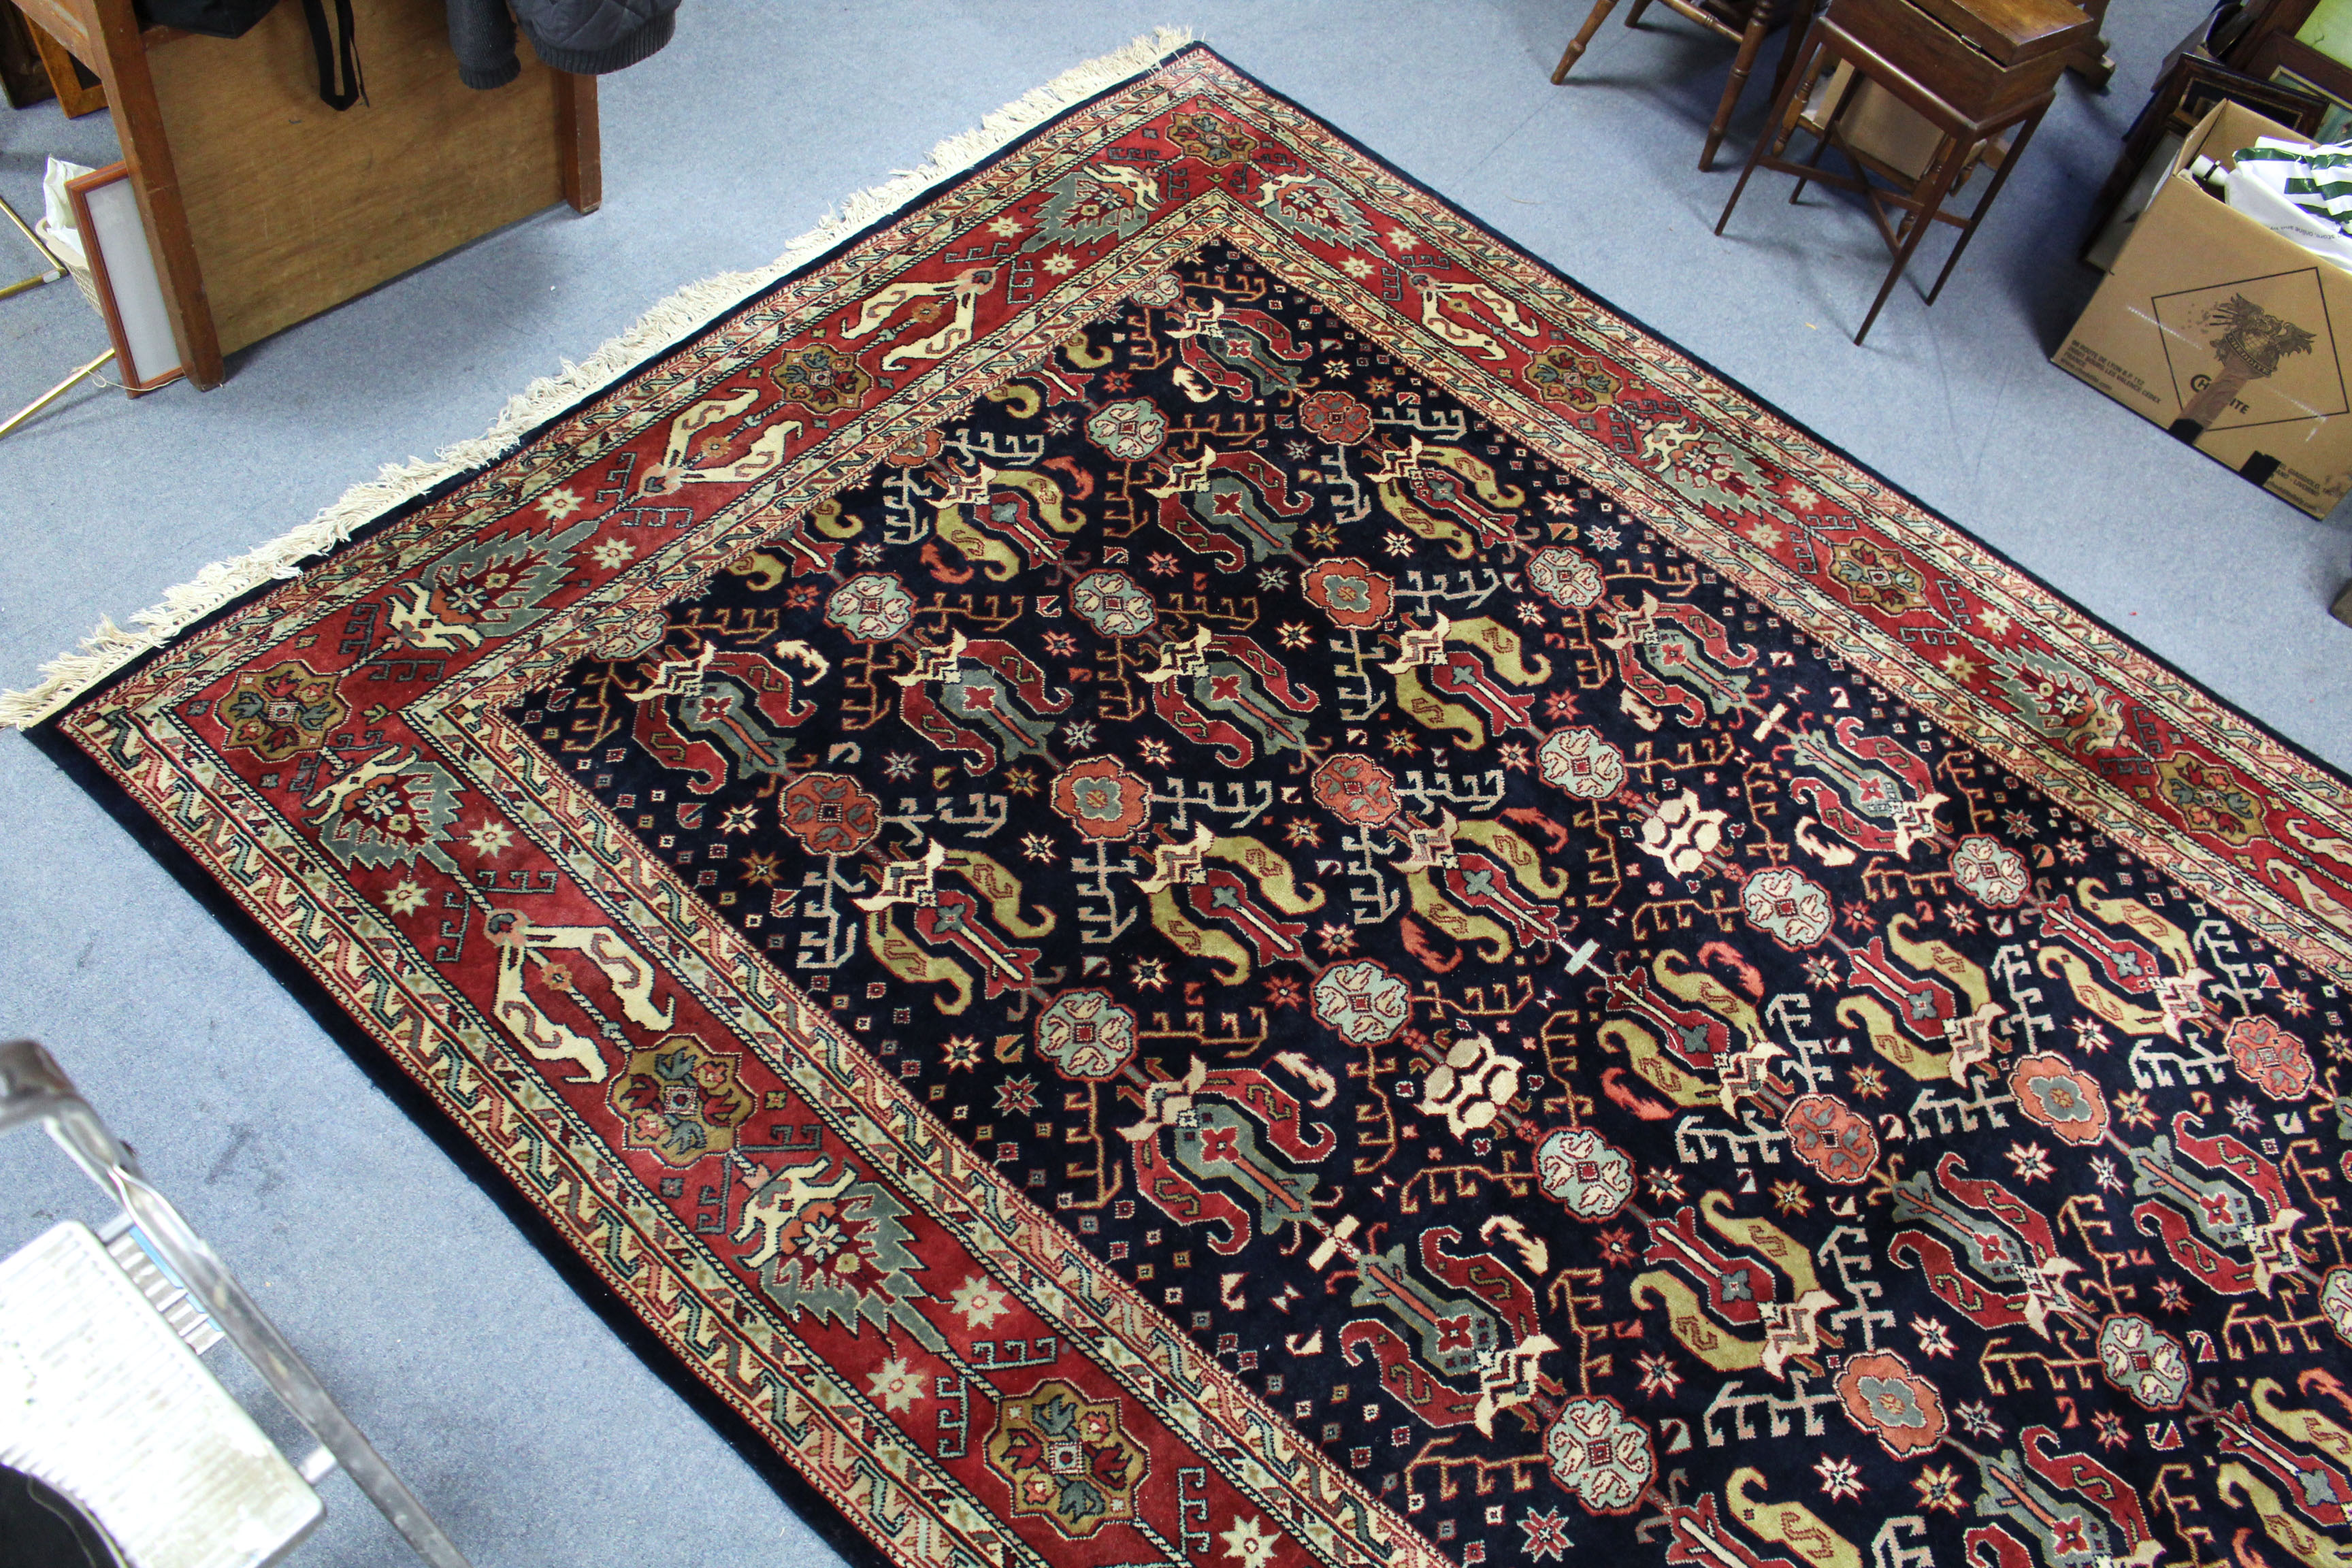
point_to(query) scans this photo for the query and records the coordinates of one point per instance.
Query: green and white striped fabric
(2317, 179)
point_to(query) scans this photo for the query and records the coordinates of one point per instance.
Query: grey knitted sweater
(587, 38)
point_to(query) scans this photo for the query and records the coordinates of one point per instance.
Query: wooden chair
(1740, 22)
(1977, 70)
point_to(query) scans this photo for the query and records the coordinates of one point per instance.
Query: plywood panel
(294, 208)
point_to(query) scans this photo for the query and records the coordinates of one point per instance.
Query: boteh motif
(1178, 863)
(1066, 1459)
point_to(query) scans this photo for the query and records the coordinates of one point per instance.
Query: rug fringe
(109, 646)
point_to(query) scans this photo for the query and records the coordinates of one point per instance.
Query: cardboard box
(1878, 125)
(2231, 336)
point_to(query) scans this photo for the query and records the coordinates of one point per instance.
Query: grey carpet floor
(532, 1431)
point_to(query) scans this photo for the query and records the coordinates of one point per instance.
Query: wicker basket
(64, 248)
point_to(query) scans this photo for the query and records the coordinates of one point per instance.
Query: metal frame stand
(57, 269)
(34, 1089)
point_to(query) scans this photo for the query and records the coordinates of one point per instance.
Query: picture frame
(2282, 58)
(123, 274)
(2185, 95)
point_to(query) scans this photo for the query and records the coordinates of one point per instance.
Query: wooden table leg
(1829, 126)
(1951, 157)
(578, 146)
(1601, 9)
(2092, 60)
(138, 123)
(1801, 21)
(1984, 202)
(1821, 146)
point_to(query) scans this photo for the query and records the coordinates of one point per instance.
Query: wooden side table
(1975, 69)
(265, 207)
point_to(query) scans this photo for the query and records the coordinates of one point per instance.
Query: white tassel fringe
(111, 647)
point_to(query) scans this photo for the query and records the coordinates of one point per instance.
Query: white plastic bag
(56, 225)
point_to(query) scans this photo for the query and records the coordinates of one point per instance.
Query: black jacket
(587, 38)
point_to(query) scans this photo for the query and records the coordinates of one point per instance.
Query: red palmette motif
(1180, 865)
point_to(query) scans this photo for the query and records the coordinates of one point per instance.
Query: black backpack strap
(340, 85)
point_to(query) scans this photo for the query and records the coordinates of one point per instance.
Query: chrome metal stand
(34, 1089)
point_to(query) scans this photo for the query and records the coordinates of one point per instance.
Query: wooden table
(1973, 69)
(265, 207)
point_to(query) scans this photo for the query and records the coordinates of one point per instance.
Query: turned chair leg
(1633, 17)
(1749, 42)
(1601, 9)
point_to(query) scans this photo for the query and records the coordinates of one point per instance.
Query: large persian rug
(1175, 863)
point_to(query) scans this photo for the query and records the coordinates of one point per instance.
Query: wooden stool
(1972, 68)
(1744, 25)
